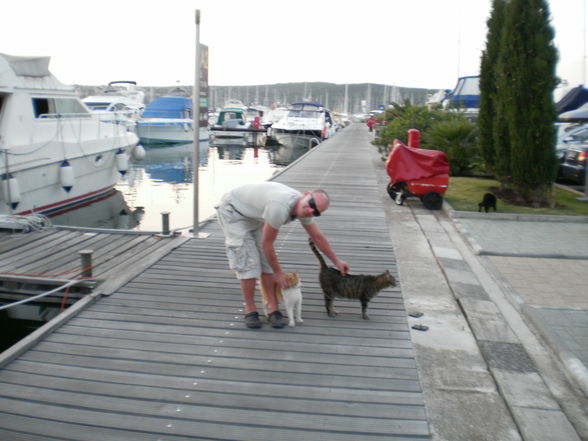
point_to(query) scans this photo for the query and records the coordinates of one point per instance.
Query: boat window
(231, 115)
(49, 107)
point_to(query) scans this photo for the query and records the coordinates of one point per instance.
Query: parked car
(570, 133)
(573, 164)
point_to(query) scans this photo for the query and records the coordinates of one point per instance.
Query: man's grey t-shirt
(269, 202)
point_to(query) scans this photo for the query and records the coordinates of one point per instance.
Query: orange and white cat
(291, 297)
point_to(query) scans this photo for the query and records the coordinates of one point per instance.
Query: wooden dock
(166, 356)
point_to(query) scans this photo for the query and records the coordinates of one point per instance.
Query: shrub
(457, 138)
(448, 131)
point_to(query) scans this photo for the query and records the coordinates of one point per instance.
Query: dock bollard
(165, 223)
(86, 256)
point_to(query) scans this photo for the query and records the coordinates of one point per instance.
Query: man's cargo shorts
(242, 242)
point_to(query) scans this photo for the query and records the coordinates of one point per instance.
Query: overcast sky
(409, 43)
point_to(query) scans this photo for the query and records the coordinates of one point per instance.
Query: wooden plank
(199, 372)
(316, 334)
(28, 254)
(168, 425)
(68, 257)
(263, 399)
(351, 392)
(237, 412)
(13, 241)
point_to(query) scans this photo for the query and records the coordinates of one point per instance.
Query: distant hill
(361, 97)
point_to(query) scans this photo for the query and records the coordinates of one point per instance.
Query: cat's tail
(317, 253)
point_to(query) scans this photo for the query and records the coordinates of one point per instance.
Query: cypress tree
(525, 82)
(488, 83)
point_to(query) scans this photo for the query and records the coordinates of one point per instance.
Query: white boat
(168, 120)
(273, 116)
(54, 153)
(306, 124)
(465, 97)
(120, 102)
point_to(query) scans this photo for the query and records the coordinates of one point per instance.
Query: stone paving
(503, 236)
(546, 265)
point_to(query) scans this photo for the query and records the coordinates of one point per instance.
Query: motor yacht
(54, 153)
(169, 120)
(306, 124)
(120, 102)
(231, 126)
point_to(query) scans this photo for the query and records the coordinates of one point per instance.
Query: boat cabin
(231, 117)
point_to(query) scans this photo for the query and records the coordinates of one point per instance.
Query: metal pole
(196, 113)
(165, 223)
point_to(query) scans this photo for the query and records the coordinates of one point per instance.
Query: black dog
(488, 201)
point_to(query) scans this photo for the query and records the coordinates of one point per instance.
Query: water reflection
(173, 163)
(286, 155)
(163, 182)
(109, 211)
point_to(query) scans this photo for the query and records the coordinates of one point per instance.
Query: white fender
(138, 153)
(66, 176)
(11, 191)
(122, 161)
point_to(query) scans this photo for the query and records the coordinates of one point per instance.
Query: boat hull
(161, 131)
(41, 189)
(297, 139)
(54, 153)
(228, 137)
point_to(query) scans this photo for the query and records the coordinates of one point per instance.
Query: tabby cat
(290, 296)
(360, 287)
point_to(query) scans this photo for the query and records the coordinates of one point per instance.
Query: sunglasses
(312, 204)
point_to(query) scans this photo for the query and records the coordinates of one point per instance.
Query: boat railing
(64, 115)
(79, 126)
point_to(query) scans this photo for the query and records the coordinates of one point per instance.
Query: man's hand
(342, 266)
(280, 279)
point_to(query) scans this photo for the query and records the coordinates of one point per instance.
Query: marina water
(163, 182)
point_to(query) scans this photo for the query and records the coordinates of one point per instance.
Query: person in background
(371, 123)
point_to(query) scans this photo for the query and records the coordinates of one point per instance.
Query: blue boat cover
(466, 93)
(169, 107)
(572, 100)
(304, 105)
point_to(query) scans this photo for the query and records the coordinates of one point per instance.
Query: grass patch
(464, 194)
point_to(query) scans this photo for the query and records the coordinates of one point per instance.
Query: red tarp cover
(408, 163)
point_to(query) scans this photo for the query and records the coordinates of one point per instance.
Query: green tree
(525, 83)
(488, 84)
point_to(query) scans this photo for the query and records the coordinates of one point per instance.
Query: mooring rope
(65, 286)
(30, 299)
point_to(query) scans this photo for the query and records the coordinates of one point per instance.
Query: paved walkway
(546, 265)
(450, 277)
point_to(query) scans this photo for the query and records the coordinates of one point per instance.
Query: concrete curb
(454, 214)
